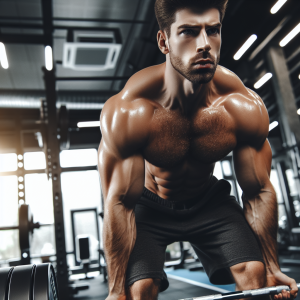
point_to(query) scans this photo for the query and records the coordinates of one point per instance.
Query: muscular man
(161, 137)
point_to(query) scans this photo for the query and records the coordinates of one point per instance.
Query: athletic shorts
(214, 224)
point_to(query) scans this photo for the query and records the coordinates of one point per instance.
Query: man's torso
(181, 149)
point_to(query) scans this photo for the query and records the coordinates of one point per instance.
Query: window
(38, 196)
(34, 160)
(78, 158)
(8, 162)
(80, 190)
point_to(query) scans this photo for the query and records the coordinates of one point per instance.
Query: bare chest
(206, 137)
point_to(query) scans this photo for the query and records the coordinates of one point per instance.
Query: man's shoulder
(245, 107)
(126, 117)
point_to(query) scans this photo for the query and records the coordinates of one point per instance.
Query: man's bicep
(122, 178)
(252, 167)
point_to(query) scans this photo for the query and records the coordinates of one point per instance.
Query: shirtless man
(161, 137)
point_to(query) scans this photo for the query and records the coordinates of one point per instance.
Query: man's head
(190, 32)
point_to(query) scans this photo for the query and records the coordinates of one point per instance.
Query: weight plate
(24, 227)
(5, 276)
(45, 285)
(21, 282)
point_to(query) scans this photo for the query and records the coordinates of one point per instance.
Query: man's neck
(181, 92)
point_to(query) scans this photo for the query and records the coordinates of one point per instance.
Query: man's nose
(203, 44)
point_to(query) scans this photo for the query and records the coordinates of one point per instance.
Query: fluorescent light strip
(273, 125)
(88, 124)
(277, 6)
(298, 111)
(245, 47)
(48, 58)
(3, 57)
(263, 80)
(290, 36)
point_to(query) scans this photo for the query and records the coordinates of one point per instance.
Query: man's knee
(145, 289)
(249, 275)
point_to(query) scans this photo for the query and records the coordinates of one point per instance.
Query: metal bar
(295, 68)
(266, 41)
(284, 94)
(17, 173)
(293, 55)
(9, 227)
(92, 78)
(53, 150)
(78, 169)
(22, 39)
(78, 20)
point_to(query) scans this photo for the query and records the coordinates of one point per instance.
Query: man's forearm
(261, 213)
(119, 234)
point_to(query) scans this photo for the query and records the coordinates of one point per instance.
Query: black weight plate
(24, 230)
(21, 282)
(45, 286)
(5, 276)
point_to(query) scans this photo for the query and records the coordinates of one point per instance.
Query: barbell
(26, 226)
(29, 282)
(273, 290)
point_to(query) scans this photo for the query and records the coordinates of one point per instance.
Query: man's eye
(213, 31)
(188, 32)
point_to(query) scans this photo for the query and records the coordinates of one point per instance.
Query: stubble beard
(195, 76)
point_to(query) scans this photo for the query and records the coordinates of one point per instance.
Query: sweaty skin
(166, 132)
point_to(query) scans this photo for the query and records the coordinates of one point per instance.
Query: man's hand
(278, 278)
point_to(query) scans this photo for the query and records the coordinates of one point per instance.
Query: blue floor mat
(198, 277)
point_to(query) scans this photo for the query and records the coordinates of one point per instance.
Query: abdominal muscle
(182, 182)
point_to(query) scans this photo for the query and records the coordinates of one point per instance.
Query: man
(161, 137)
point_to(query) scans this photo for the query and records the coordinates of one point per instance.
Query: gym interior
(60, 61)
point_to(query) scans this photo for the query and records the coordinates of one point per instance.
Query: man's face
(195, 43)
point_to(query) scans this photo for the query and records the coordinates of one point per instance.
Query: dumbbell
(29, 282)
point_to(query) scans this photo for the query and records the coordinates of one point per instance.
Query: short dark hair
(165, 10)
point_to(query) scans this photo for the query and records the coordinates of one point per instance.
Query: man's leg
(145, 289)
(251, 275)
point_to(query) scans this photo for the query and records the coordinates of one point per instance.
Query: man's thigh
(225, 239)
(148, 255)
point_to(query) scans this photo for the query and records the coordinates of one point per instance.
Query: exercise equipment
(274, 290)
(30, 282)
(26, 228)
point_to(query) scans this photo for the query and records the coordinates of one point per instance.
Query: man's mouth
(203, 64)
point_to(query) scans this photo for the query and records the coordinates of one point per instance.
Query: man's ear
(162, 42)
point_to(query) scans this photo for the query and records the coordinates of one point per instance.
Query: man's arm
(252, 167)
(122, 172)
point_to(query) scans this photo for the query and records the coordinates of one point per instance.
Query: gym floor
(177, 289)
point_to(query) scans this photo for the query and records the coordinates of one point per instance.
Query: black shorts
(214, 224)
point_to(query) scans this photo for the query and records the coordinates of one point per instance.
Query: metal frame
(73, 212)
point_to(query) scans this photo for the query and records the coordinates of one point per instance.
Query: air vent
(92, 51)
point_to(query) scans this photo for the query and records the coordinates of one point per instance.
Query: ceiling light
(88, 124)
(290, 36)
(263, 80)
(273, 125)
(277, 6)
(245, 47)
(298, 111)
(48, 58)
(299, 76)
(3, 57)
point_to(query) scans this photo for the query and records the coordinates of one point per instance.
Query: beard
(195, 76)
